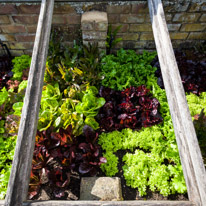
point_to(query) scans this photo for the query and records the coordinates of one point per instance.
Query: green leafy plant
(146, 167)
(20, 63)
(126, 69)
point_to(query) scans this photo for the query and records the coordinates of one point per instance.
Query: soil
(72, 191)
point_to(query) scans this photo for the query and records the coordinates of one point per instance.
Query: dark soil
(72, 191)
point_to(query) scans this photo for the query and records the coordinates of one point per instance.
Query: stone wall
(186, 22)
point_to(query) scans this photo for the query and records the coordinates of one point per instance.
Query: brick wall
(186, 22)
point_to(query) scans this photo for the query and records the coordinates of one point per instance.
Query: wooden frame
(191, 159)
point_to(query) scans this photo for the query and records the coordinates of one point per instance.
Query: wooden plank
(191, 158)
(106, 203)
(21, 166)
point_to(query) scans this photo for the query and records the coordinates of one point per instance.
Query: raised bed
(184, 129)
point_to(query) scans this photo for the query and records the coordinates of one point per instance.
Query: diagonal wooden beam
(190, 155)
(21, 166)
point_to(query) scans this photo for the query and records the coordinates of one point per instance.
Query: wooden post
(21, 166)
(191, 158)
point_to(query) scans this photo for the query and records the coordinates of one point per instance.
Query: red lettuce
(132, 108)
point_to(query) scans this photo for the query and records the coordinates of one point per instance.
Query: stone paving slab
(101, 188)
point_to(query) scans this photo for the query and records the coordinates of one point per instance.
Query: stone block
(94, 26)
(193, 27)
(87, 26)
(4, 19)
(94, 35)
(113, 18)
(178, 35)
(31, 29)
(29, 8)
(132, 18)
(173, 7)
(197, 35)
(25, 38)
(73, 19)
(7, 37)
(13, 29)
(94, 16)
(63, 9)
(21, 45)
(147, 36)
(59, 19)
(100, 188)
(128, 44)
(186, 17)
(140, 27)
(101, 44)
(130, 36)
(140, 8)
(124, 27)
(118, 9)
(203, 6)
(25, 19)
(8, 9)
(168, 17)
(101, 26)
(203, 18)
(195, 7)
(173, 27)
(17, 52)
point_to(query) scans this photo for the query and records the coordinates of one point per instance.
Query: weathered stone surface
(140, 8)
(28, 52)
(175, 6)
(197, 35)
(59, 19)
(113, 18)
(31, 29)
(17, 52)
(203, 18)
(193, 27)
(25, 19)
(73, 19)
(4, 19)
(29, 8)
(195, 7)
(101, 26)
(132, 18)
(186, 17)
(118, 9)
(168, 17)
(147, 36)
(178, 35)
(21, 45)
(25, 38)
(8, 9)
(123, 27)
(94, 16)
(130, 36)
(100, 188)
(13, 29)
(63, 9)
(94, 35)
(173, 27)
(140, 27)
(7, 37)
(87, 26)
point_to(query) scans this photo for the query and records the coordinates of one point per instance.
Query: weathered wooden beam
(21, 166)
(191, 158)
(106, 203)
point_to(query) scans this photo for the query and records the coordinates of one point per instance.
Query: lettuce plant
(133, 108)
(20, 63)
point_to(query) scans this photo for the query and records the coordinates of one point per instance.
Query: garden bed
(105, 111)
